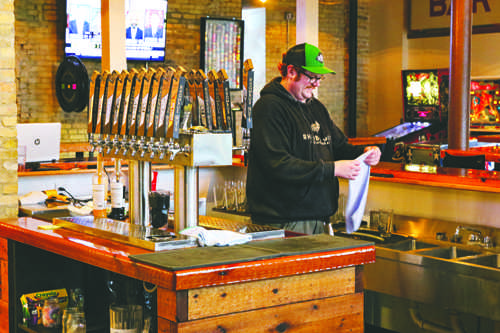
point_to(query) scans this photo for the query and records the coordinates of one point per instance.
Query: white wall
(470, 207)
(255, 45)
(391, 51)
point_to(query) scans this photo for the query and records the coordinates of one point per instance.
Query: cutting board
(181, 259)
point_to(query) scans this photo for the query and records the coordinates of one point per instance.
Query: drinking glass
(65, 315)
(75, 323)
(230, 195)
(386, 220)
(241, 196)
(125, 318)
(219, 196)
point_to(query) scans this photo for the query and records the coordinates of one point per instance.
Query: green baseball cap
(308, 57)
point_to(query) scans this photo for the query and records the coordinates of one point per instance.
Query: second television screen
(144, 32)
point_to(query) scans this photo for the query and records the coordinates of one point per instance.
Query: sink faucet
(474, 236)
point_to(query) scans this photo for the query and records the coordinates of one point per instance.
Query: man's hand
(347, 169)
(374, 157)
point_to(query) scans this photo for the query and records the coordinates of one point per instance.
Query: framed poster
(431, 18)
(222, 48)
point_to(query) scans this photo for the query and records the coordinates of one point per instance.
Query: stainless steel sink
(431, 274)
(371, 235)
(489, 260)
(408, 245)
(451, 252)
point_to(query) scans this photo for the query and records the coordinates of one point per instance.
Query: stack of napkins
(216, 237)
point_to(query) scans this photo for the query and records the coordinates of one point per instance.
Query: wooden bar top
(114, 256)
(452, 178)
(489, 138)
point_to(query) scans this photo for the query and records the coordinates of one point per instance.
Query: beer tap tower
(137, 116)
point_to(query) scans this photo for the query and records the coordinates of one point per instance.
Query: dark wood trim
(353, 69)
(359, 285)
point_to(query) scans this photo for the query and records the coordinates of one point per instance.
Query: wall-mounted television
(425, 95)
(145, 29)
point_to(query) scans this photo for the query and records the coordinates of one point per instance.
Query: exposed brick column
(8, 113)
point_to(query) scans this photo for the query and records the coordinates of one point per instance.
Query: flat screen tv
(145, 29)
(425, 95)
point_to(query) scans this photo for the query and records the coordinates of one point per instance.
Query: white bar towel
(358, 191)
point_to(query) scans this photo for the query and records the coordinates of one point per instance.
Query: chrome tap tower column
(150, 116)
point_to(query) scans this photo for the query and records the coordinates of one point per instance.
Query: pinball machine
(425, 112)
(485, 106)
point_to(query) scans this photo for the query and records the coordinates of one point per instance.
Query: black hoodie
(292, 148)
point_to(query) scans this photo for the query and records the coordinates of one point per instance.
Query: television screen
(485, 102)
(425, 94)
(145, 29)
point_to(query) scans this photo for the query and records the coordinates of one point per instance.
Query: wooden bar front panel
(334, 314)
(316, 302)
(4, 287)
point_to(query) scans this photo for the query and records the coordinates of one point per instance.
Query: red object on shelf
(153, 182)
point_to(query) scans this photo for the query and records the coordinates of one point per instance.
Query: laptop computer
(42, 141)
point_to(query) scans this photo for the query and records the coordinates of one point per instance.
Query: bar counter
(307, 292)
(450, 178)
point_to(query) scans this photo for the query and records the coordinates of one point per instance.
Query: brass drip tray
(144, 237)
(153, 238)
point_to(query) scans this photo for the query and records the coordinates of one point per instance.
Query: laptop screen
(42, 141)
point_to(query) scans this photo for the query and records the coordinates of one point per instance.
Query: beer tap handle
(204, 94)
(225, 96)
(248, 83)
(109, 110)
(120, 90)
(163, 113)
(215, 100)
(95, 82)
(177, 102)
(129, 87)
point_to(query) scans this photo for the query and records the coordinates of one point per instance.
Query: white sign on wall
(432, 17)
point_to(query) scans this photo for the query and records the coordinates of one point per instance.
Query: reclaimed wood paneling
(4, 280)
(4, 317)
(336, 314)
(166, 326)
(172, 305)
(4, 254)
(212, 301)
(4, 286)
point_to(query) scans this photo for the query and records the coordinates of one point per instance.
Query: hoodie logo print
(314, 138)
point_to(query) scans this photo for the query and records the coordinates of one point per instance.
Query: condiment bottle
(99, 189)
(117, 192)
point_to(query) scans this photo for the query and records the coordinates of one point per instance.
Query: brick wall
(40, 48)
(40, 28)
(333, 39)
(8, 111)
